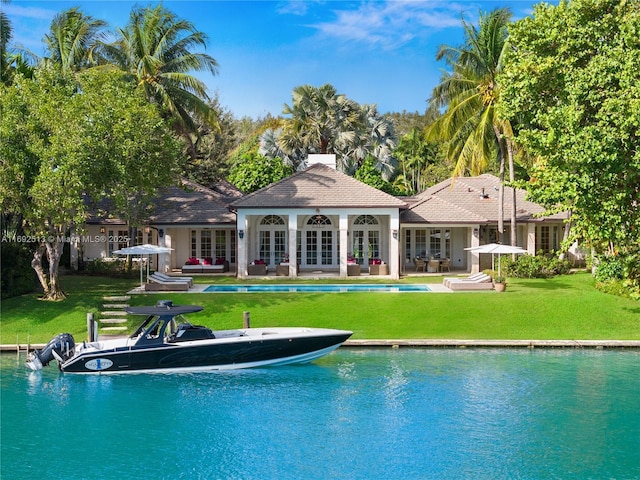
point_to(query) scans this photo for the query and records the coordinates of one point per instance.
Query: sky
(375, 52)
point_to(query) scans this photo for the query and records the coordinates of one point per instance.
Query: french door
(272, 246)
(319, 248)
(366, 245)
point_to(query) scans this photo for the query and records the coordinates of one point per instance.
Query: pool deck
(201, 287)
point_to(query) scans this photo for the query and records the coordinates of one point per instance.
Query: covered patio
(318, 221)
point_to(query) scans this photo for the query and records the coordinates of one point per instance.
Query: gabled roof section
(184, 204)
(192, 203)
(318, 186)
(470, 200)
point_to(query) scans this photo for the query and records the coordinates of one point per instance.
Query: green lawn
(566, 307)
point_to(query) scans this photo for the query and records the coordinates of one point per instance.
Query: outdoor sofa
(205, 265)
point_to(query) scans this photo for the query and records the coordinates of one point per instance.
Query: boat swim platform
(434, 343)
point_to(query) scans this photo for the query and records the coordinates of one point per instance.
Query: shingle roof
(318, 186)
(470, 200)
(193, 204)
(187, 204)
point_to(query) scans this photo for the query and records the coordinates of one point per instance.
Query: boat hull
(261, 348)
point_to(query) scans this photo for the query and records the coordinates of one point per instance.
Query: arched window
(272, 239)
(272, 220)
(366, 220)
(365, 239)
(318, 242)
(319, 221)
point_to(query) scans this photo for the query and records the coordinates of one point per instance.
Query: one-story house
(321, 220)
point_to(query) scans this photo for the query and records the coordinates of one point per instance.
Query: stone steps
(113, 317)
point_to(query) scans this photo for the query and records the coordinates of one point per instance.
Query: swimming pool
(326, 288)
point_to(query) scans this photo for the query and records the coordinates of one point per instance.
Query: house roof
(194, 204)
(186, 204)
(318, 186)
(470, 200)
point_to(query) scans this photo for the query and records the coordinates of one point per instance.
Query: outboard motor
(61, 348)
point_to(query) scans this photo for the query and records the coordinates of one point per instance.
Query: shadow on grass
(542, 284)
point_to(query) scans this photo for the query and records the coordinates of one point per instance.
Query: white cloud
(28, 12)
(293, 7)
(390, 24)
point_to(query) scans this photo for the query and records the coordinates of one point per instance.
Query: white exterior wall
(341, 224)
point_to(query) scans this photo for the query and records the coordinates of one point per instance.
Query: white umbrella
(145, 249)
(497, 249)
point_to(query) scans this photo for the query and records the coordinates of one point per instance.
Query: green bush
(610, 268)
(17, 276)
(619, 275)
(112, 267)
(539, 266)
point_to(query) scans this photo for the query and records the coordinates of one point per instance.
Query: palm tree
(414, 154)
(156, 49)
(320, 119)
(323, 121)
(72, 39)
(470, 94)
(5, 36)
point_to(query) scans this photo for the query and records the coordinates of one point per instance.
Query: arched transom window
(319, 221)
(366, 220)
(272, 220)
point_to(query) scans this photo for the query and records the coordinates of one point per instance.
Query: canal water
(356, 414)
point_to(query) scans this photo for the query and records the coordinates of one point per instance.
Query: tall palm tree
(323, 121)
(470, 94)
(320, 119)
(6, 32)
(156, 48)
(414, 153)
(72, 39)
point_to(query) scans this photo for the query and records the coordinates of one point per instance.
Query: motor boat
(166, 342)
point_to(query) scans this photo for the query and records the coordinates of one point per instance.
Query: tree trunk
(565, 237)
(36, 264)
(501, 188)
(514, 225)
(54, 254)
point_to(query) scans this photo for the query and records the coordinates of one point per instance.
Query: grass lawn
(566, 307)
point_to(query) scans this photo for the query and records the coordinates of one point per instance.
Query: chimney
(328, 159)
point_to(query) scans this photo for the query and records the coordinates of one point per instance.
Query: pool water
(327, 288)
(356, 414)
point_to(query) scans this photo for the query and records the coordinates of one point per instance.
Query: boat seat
(187, 331)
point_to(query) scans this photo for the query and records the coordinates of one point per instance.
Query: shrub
(618, 275)
(610, 267)
(539, 266)
(115, 267)
(17, 276)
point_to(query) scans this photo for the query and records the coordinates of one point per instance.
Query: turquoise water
(356, 414)
(317, 288)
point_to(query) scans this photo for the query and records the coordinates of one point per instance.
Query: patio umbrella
(141, 250)
(497, 249)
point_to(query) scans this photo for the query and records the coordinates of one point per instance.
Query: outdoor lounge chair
(470, 286)
(166, 278)
(475, 278)
(156, 285)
